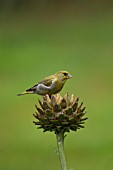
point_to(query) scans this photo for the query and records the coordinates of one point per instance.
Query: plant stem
(60, 144)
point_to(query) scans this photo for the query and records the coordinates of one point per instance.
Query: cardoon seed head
(60, 114)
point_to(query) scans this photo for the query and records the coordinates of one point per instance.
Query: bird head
(63, 75)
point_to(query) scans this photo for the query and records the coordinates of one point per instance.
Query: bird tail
(26, 92)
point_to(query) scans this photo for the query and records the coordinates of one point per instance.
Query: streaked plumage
(50, 85)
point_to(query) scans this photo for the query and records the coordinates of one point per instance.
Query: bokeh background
(37, 39)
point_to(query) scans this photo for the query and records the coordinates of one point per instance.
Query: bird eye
(65, 74)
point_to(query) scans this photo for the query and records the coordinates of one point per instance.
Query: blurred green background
(37, 39)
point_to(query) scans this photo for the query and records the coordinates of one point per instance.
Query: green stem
(60, 144)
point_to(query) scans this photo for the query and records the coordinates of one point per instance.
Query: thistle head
(60, 114)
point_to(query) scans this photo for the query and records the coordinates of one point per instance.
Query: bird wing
(47, 82)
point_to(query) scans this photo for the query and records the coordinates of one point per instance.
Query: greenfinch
(50, 85)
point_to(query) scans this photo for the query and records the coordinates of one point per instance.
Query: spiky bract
(60, 114)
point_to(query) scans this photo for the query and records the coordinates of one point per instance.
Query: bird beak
(68, 76)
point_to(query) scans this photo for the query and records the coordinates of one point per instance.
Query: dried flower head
(60, 114)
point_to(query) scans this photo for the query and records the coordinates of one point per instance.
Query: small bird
(50, 85)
